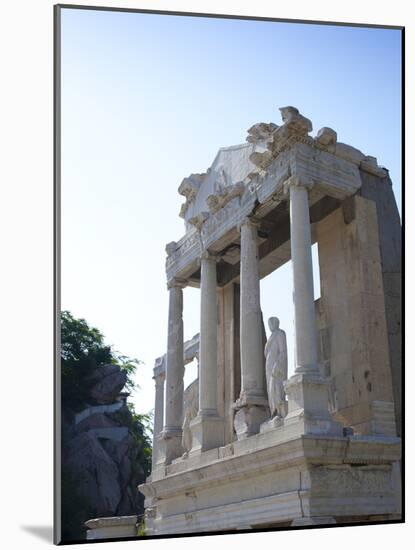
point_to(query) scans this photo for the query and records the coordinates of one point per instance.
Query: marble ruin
(244, 447)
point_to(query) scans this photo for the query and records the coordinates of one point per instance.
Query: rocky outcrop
(86, 457)
(103, 451)
(108, 381)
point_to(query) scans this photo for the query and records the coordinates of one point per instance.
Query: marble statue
(276, 367)
(191, 405)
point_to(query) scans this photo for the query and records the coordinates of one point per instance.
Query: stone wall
(380, 191)
(352, 318)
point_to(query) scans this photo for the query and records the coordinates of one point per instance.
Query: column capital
(176, 283)
(207, 255)
(251, 220)
(297, 181)
(159, 370)
(159, 377)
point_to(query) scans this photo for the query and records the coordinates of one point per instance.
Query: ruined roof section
(235, 167)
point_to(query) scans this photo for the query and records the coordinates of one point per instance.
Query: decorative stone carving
(171, 248)
(261, 160)
(199, 220)
(294, 121)
(261, 132)
(276, 368)
(295, 124)
(189, 188)
(326, 137)
(224, 195)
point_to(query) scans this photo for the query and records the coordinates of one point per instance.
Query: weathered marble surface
(111, 527)
(191, 407)
(259, 205)
(276, 368)
(241, 175)
(252, 405)
(275, 478)
(352, 321)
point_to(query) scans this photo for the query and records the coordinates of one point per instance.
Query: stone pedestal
(208, 432)
(308, 404)
(249, 416)
(169, 446)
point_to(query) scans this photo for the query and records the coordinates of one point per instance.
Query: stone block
(248, 419)
(208, 432)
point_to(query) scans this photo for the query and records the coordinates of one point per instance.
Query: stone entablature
(216, 202)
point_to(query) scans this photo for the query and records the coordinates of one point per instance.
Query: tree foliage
(83, 350)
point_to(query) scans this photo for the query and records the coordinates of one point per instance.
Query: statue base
(208, 432)
(170, 446)
(308, 404)
(250, 414)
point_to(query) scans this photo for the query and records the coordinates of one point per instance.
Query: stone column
(302, 265)
(307, 390)
(172, 431)
(159, 378)
(208, 428)
(252, 406)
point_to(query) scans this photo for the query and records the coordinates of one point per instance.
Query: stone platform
(275, 479)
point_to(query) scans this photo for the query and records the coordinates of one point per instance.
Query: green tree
(83, 350)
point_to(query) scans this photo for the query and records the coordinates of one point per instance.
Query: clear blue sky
(149, 99)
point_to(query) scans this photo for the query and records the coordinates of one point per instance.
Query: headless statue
(276, 368)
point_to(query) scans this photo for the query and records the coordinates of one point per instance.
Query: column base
(208, 432)
(249, 416)
(170, 446)
(313, 520)
(308, 404)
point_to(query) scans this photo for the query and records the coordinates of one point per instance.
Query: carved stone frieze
(189, 188)
(171, 248)
(295, 124)
(199, 220)
(327, 137)
(225, 195)
(188, 248)
(261, 132)
(279, 153)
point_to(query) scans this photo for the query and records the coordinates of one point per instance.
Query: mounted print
(228, 259)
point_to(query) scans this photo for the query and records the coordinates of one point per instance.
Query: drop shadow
(43, 532)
